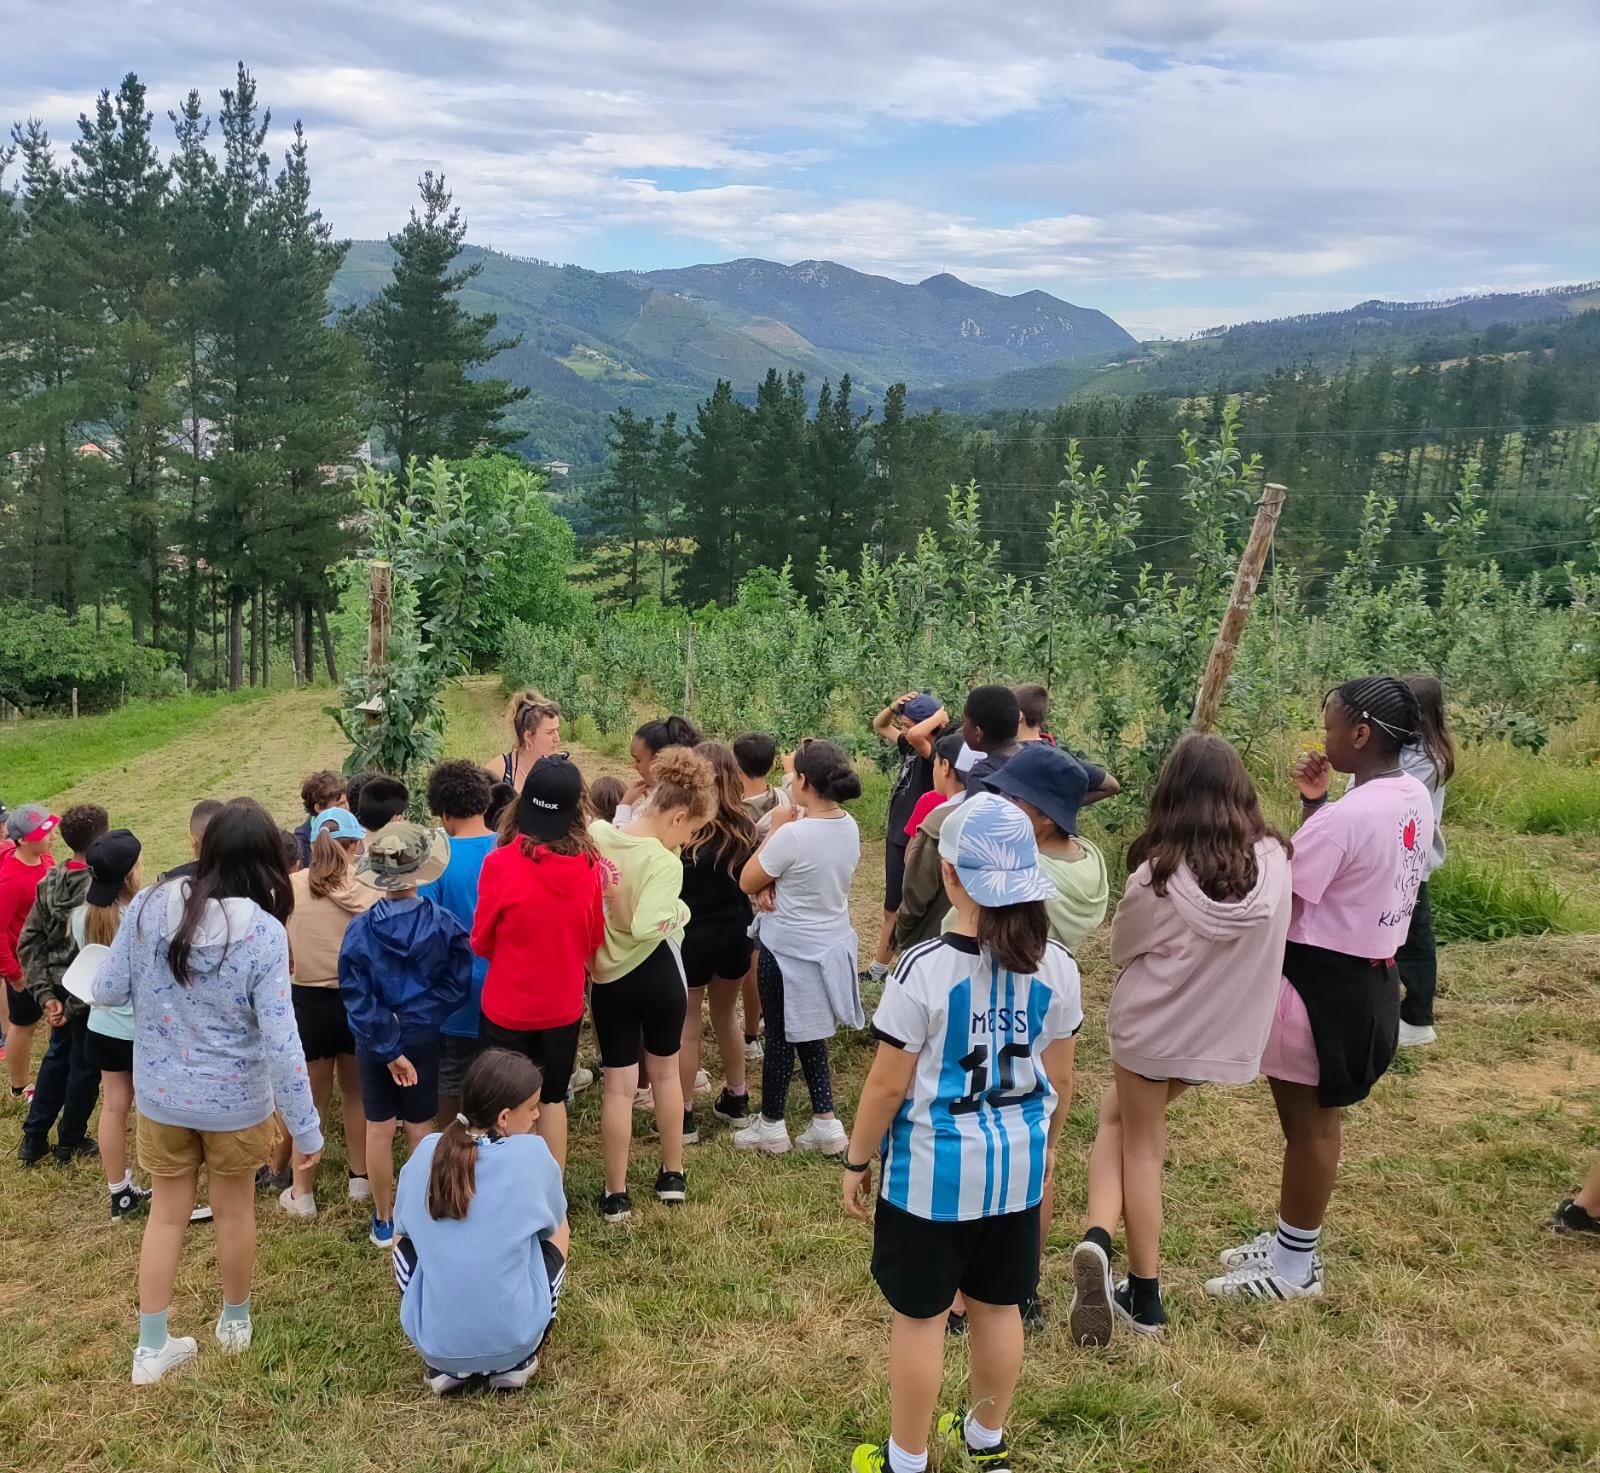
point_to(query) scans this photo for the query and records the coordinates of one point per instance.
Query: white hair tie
(462, 1120)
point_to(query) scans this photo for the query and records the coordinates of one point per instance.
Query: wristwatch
(849, 1165)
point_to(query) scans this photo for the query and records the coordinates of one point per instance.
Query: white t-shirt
(969, 1139)
(814, 861)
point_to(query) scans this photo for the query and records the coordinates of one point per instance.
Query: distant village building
(558, 467)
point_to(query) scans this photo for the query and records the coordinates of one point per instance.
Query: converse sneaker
(691, 1131)
(381, 1233)
(1147, 1319)
(358, 1189)
(127, 1200)
(1416, 1035)
(828, 1137)
(1090, 1317)
(442, 1383)
(735, 1109)
(149, 1366)
(234, 1335)
(951, 1428)
(1571, 1218)
(517, 1377)
(614, 1206)
(1258, 1250)
(1256, 1279)
(761, 1134)
(671, 1187)
(303, 1207)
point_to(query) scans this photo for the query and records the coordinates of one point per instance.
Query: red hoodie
(18, 882)
(537, 924)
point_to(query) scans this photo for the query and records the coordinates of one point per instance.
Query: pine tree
(772, 502)
(891, 475)
(714, 496)
(619, 506)
(665, 511)
(422, 345)
(837, 518)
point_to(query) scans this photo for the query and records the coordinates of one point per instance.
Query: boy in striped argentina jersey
(967, 1097)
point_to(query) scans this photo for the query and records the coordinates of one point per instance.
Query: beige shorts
(175, 1150)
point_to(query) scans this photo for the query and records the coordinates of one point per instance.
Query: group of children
(441, 975)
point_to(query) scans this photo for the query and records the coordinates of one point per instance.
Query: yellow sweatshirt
(642, 886)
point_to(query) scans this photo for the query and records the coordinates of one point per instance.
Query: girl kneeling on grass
(1198, 944)
(481, 1233)
(1358, 865)
(966, 1100)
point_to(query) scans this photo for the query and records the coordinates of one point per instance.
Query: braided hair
(1387, 705)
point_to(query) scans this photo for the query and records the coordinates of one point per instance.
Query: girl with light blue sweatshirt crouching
(480, 1223)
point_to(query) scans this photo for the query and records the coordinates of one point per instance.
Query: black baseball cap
(111, 859)
(551, 794)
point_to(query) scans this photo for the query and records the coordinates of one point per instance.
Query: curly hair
(730, 838)
(459, 789)
(82, 824)
(684, 779)
(322, 790)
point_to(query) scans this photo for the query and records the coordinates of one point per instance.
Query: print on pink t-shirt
(1358, 864)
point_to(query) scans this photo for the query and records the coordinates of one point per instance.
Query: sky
(1176, 163)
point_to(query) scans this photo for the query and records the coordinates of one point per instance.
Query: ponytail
(330, 866)
(498, 1080)
(1015, 935)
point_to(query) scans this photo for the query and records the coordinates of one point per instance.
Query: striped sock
(1292, 1248)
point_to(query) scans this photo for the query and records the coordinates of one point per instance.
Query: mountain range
(659, 340)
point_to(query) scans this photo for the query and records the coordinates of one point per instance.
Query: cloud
(1164, 153)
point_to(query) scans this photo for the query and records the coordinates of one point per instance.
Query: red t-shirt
(19, 883)
(925, 805)
(539, 921)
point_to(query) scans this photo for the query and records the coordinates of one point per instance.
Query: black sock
(1101, 1238)
(1144, 1293)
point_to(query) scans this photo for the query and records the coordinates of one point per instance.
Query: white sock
(900, 1461)
(118, 1186)
(1292, 1248)
(979, 1438)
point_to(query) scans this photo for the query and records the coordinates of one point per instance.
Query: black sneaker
(33, 1149)
(735, 1109)
(268, 1180)
(85, 1149)
(1571, 1218)
(691, 1131)
(125, 1201)
(671, 1187)
(1033, 1313)
(1146, 1319)
(614, 1206)
(955, 1323)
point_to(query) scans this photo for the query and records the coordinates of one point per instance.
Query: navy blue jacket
(405, 966)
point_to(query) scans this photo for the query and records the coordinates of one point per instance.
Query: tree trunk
(236, 639)
(378, 623)
(250, 626)
(216, 628)
(327, 643)
(308, 652)
(265, 621)
(155, 591)
(296, 625)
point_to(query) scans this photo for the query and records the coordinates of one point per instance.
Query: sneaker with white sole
(702, 1082)
(581, 1079)
(754, 1053)
(877, 971)
(1149, 1319)
(127, 1200)
(304, 1207)
(761, 1134)
(1257, 1279)
(1258, 1250)
(149, 1366)
(1417, 1035)
(202, 1213)
(234, 1335)
(671, 1187)
(358, 1189)
(517, 1377)
(644, 1098)
(381, 1233)
(825, 1136)
(1091, 1318)
(442, 1383)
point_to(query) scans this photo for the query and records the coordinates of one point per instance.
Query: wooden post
(296, 621)
(1212, 684)
(378, 623)
(74, 703)
(688, 675)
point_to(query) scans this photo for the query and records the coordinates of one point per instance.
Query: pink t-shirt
(1358, 864)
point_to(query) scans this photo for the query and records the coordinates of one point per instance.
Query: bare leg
(1105, 1167)
(552, 1130)
(750, 995)
(233, 1200)
(380, 1167)
(730, 1040)
(1310, 1155)
(170, 1205)
(916, 1368)
(1144, 1149)
(689, 1047)
(282, 1146)
(321, 1074)
(669, 1107)
(417, 1132)
(884, 955)
(995, 1333)
(561, 1238)
(115, 1103)
(355, 1120)
(19, 1052)
(616, 1124)
(1589, 1197)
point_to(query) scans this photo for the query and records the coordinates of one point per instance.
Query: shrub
(44, 655)
(1565, 802)
(1474, 901)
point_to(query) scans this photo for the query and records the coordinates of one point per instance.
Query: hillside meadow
(743, 1331)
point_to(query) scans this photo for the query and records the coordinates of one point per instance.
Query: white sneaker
(753, 1051)
(358, 1189)
(702, 1083)
(442, 1383)
(149, 1366)
(202, 1213)
(234, 1335)
(581, 1079)
(644, 1099)
(305, 1206)
(877, 971)
(1258, 1280)
(827, 1136)
(516, 1378)
(1413, 1035)
(761, 1134)
(1259, 1250)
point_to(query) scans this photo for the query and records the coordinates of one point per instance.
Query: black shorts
(920, 1265)
(324, 1024)
(650, 1000)
(383, 1099)
(455, 1058)
(1353, 1005)
(554, 1050)
(894, 873)
(719, 951)
(107, 1054)
(22, 1007)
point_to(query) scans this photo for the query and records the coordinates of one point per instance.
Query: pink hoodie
(1198, 978)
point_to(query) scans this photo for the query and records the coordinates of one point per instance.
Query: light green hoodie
(642, 884)
(1082, 892)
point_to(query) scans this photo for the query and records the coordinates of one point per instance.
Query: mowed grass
(744, 1332)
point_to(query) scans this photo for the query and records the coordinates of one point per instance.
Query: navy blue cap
(920, 708)
(1049, 779)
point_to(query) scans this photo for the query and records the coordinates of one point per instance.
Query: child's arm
(487, 912)
(33, 952)
(882, 1095)
(374, 1026)
(659, 910)
(286, 1060)
(10, 966)
(457, 986)
(921, 736)
(924, 882)
(1058, 1060)
(1134, 922)
(766, 866)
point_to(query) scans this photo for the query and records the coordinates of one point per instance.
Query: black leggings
(1418, 961)
(777, 1067)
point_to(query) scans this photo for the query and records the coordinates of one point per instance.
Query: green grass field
(743, 1331)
